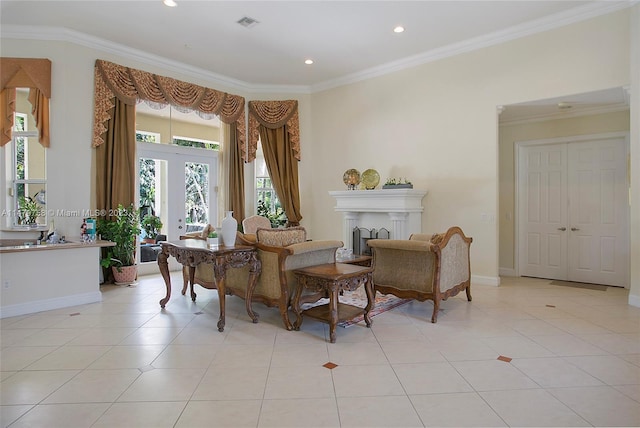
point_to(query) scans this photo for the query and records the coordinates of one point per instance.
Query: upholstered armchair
(251, 224)
(280, 251)
(433, 267)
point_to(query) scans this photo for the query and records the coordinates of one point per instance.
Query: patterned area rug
(384, 303)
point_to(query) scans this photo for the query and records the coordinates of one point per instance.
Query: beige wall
(511, 134)
(437, 124)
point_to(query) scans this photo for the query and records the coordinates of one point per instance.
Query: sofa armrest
(453, 252)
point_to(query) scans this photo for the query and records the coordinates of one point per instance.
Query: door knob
(562, 228)
(573, 229)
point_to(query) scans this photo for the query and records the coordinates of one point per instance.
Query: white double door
(185, 186)
(573, 210)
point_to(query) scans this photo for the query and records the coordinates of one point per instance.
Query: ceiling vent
(248, 22)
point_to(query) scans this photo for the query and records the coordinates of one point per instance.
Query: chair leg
(468, 292)
(436, 308)
(284, 312)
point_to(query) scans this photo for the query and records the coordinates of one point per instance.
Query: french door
(179, 185)
(573, 211)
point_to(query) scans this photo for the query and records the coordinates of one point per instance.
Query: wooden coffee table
(331, 279)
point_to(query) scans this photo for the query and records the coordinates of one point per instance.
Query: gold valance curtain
(32, 73)
(276, 123)
(117, 90)
(273, 114)
(129, 85)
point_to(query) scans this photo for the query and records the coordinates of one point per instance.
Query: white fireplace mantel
(397, 210)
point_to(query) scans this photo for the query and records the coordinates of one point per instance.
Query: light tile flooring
(126, 363)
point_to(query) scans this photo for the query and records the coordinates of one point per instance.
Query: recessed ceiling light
(398, 29)
(308, 61)
(170, 3)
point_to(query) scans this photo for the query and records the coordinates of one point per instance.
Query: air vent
(248, 22)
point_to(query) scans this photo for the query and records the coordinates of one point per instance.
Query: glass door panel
(177, 184)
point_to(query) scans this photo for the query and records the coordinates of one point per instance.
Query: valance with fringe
(32, 73)
(273, 114)
(130, 85)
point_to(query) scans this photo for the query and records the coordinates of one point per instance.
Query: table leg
(333, 311)
(371, 300)
(163, 265)
(185, 280)
(192, 276)
(221, 297)
(254, 271)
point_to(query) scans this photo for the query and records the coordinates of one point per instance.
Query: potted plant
(401, 183)
(212, 239)
(28, 210)
(151, 224)
(122, 229)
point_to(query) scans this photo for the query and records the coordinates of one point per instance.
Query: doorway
(178, 184)
(573, 209)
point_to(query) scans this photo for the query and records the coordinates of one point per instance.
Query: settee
(280, 251)
(424, 267)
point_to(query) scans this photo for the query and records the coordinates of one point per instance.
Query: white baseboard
(50, 304)
(485, 280)
(634, 300)
(506, 272)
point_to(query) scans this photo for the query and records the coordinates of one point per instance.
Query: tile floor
(575, 361)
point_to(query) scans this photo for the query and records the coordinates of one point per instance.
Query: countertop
(18, 245)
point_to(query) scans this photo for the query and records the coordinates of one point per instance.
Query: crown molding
(592, 111)
(558, 20)
(59, 34)
(571, 16)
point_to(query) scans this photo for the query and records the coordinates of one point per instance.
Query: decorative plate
(370, 179)
(351, 178)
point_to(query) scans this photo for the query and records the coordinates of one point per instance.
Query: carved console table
(192, 252)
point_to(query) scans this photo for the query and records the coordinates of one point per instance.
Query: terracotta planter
(125, 274)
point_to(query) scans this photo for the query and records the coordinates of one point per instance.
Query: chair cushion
(281, 237)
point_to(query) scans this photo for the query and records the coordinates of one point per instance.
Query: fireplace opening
(361, 235)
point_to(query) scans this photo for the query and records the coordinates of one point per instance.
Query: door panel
(573, 211)
(543, 193)
(598, 212)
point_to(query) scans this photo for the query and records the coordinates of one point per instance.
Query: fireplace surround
(398, 210)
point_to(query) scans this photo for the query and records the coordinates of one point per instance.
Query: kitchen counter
(20, 245)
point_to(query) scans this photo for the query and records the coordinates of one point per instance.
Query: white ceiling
(348, 40)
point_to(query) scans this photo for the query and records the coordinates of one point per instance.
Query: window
(25, 162)
(147, 137)
(267, 202)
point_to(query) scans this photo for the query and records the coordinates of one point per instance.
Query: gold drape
(236, 176)
(7, 107)
(40, 111)
(115, 159)
(33, 73)
(276, 123)
(283, 170)
(273, 114)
